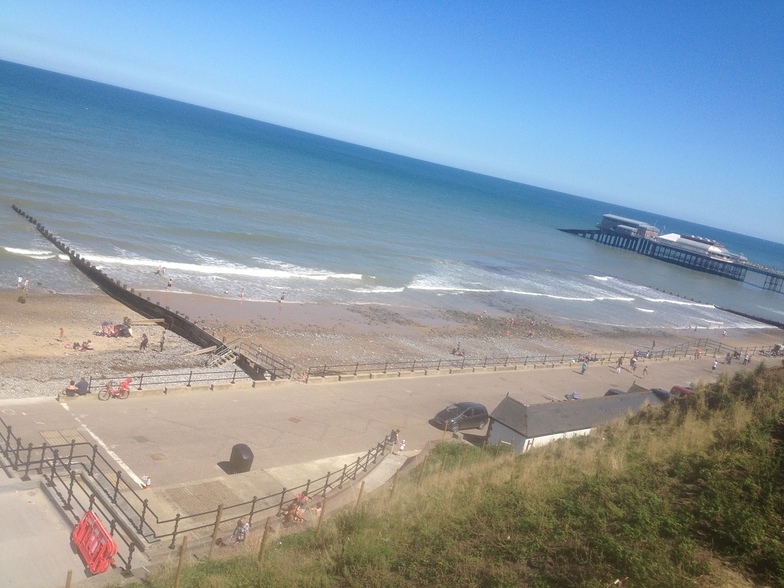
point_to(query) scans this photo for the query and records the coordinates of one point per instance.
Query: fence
(79, 472)
(191, 378)
(463, 362)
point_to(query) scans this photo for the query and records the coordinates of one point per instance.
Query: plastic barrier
(95, 545)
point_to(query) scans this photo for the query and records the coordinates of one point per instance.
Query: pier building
(696, 253)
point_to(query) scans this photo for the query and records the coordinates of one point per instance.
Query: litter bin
(241, 458)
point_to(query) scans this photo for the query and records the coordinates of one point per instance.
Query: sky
(674, 107)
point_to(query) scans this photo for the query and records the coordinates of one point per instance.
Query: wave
(377, 290)
(31, 253)
(644, 309)
(678, 302)
(222, 269)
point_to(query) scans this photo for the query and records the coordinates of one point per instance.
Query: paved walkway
(295, 431)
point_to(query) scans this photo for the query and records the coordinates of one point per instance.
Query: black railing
(79, 469)
(190, 378)
(463, 362)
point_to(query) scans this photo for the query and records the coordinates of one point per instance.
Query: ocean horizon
(225, 205)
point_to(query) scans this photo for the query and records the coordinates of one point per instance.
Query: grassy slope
(688, 495)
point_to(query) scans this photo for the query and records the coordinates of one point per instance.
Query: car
(680, 391)
(462, 415)
(614, 392)
(663, 394)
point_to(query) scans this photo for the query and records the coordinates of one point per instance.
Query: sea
(226, 205)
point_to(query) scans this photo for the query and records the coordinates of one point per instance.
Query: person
(746, 359)
(633, 364)
(88, 346)
(645, 371)
(240, 532)
(585, 367)
(394, 437)
(163, 339)
(82, 387)
(242, 294)
(19, 281)
(24, 286)
(71, 389)
(143, 344)
(62, 334)
(715, 363)
(403, 445)
(169, 283)
(158, 271)
(282, 297)
(654, 344)
(316, 510)
(728, 359)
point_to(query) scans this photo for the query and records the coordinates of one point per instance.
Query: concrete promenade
(296, 432)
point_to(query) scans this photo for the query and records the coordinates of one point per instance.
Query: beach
(36, 361)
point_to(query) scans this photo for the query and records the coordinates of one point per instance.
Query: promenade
(295, 431)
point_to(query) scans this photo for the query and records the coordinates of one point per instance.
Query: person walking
(715, 363)
(585, 368)
(163, 339)
(645, 371)
(143, 344)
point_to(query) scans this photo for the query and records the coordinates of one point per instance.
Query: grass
(691, 494)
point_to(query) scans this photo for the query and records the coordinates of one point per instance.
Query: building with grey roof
(525, 426)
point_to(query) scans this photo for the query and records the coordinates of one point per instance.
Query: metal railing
(79, 469)
(188, 379)
(463, 362)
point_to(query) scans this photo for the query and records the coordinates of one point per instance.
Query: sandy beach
(36, 361)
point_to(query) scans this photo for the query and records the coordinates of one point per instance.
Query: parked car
(614, 392)
(663, 394)
(462, 415)
(680, 391)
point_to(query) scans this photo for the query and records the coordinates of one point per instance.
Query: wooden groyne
(253, 360)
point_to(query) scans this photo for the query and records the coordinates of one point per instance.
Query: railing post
(55, 457)
(413, 365)
(174, 533)
(92, 459)
(462, 364)
(143, 516)
(485, 365)
(526, 361)
(141, 379)
(26, 476)
(356, 468)
(282, 500)
(252, 510)
(438, 367)
(367, 459)
(307, 487)
(356, 368)
(92, 503)
(190, 377)
(117, 486)
(234, 376)
(70, 491)
(90, 384)
(326, 485)
(127, 569)
(70, 453)
(9, 432)
(343, 475)
(44, 445)
(386, 365)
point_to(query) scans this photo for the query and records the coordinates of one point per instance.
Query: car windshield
(453, 409)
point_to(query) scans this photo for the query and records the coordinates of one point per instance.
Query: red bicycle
(121, 392)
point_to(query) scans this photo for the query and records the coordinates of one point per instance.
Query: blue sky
(672, 107)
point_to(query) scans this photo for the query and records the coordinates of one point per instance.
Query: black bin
(241, 458)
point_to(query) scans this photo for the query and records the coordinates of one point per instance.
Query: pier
(693, 253)
(257, 362)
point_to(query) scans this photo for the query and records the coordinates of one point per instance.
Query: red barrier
(95, 545)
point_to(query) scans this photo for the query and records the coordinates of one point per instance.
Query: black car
(463, 415)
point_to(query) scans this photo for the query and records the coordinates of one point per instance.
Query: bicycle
(122, 391)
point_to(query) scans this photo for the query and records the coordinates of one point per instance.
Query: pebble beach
(35, 361)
